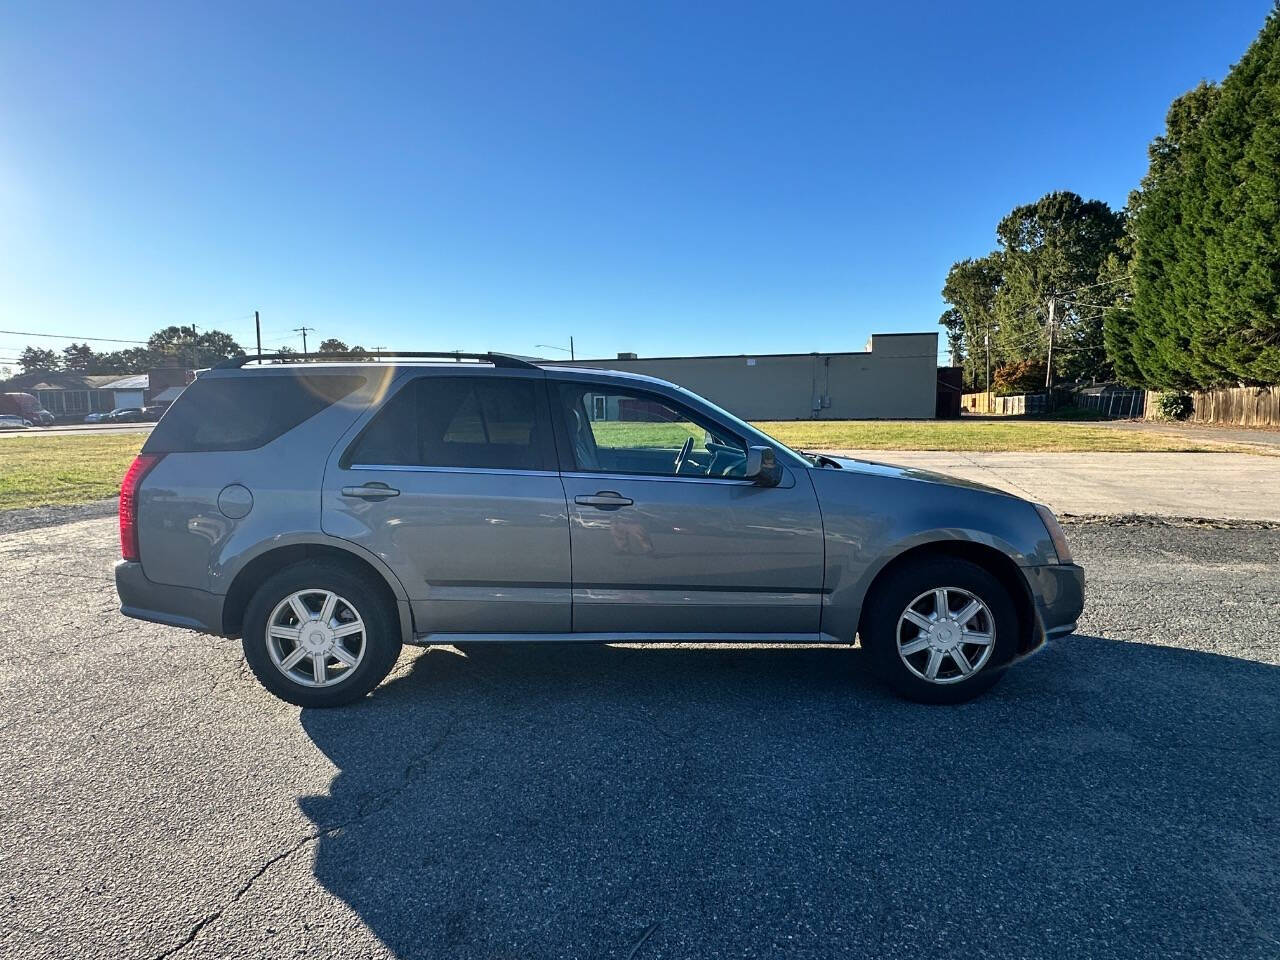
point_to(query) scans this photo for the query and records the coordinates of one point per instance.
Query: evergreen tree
(37, 358)
(79, 358)
(1240, 330)
(1165, 285)
(1206, 236)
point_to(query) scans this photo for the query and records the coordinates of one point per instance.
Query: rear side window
(479, 423)
(243, 413)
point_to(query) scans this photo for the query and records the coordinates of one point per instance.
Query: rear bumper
(1058, 591)
(145, 599)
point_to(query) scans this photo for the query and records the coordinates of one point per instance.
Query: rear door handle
(371, 491)
(604, 499)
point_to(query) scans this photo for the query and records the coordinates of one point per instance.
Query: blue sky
(664, 178)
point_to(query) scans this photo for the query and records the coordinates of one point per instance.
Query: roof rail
(497, 359)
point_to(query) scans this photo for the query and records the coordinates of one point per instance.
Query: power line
(1100, 283)
(72, 337)
(62, 336)
(1081, 303)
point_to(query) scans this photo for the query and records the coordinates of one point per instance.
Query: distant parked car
(125, 415)
(154, 413)
(94, 418)
(44, 417)
(9, 421)
(23, 405)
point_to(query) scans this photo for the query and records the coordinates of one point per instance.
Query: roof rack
(497, 359)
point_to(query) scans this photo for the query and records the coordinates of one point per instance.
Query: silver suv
(328, 512)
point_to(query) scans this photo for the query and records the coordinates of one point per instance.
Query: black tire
(898, 589)
(381, 636)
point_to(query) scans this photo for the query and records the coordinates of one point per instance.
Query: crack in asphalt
(374, 805)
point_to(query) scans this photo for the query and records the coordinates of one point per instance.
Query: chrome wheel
(946, 635)
(315, 638)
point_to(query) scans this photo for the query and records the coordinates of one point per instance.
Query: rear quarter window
(244, 413)
(460, 423)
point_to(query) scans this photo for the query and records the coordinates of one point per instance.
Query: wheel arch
(996, 562)
(276, 556)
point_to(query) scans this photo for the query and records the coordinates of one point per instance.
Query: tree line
(1180, 290)
(171, 346)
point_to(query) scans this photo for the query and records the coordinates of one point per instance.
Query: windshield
(784, 452)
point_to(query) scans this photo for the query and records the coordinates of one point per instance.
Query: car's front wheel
(940, 630)
(320, 635)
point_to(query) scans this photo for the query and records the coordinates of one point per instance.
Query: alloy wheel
(946, 635)
(316, 638)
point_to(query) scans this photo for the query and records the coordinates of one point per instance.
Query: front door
(453, 483)
(667, 535)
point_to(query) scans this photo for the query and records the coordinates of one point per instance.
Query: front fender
(843, 607)
(869, 520)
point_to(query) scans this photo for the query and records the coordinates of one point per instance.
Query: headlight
(1055, 533)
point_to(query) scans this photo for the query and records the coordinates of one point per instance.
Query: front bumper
(145, 599)
(1058, 591)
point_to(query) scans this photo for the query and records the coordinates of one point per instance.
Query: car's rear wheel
(320, 634)
(940, 630)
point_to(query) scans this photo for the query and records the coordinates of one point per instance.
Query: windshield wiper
(822, 460)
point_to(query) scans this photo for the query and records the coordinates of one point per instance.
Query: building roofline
(706, 356)
(740, 356)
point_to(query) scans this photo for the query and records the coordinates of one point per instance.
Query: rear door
(453, 483)
(667, 534)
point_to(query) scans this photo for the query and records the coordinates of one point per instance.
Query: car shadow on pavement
(1107, 799)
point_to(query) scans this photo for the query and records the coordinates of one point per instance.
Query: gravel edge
(1151, 520)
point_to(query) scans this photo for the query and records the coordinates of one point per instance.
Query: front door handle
(604, 499)
(371, 491)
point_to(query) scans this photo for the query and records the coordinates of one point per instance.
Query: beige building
(896, 377)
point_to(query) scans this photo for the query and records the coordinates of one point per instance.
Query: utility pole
(195, 350)
(377, 352)
(1048, 367)
(257, 329)
(552, 346)
(987, 338)
(303, 330)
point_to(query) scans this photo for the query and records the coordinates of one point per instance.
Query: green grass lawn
(37, 471)
(970, 435)
(984, 435)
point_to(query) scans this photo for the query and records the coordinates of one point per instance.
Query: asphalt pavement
(1115, 796)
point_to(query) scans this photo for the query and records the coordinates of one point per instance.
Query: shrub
(1019, 376)
(1174, 406)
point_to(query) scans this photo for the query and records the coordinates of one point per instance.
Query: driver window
(633, 432)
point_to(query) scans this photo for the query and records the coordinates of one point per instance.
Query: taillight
(133, 477)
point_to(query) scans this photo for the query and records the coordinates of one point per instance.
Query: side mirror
(762, 467)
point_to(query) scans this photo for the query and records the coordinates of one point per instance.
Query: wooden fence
(988, 404)
(1241, 406)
